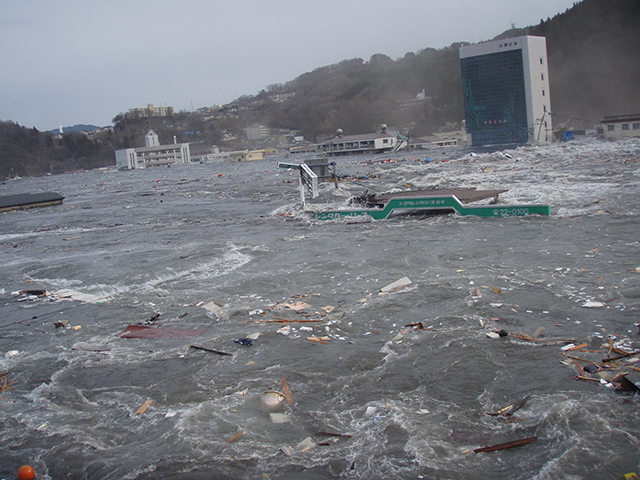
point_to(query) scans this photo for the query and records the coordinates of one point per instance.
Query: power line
(574, 118)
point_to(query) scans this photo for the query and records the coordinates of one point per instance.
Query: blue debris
(245, 341)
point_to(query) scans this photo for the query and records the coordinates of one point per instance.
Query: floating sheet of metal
(66, 294)
(139, 331)
(29, 200)
(465, 195)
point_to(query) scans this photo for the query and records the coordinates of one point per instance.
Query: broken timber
(196, 347)
(502, 446)
(381, 207)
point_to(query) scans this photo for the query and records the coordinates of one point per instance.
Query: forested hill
(594, 59)
(594, 72)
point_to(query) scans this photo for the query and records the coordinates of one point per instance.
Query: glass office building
(506, 91)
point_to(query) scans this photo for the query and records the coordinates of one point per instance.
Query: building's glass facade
(494, 98)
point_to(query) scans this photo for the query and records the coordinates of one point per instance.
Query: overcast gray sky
(73, 61)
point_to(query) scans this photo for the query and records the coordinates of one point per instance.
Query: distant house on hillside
(150, 111)
(352, 144)
(621, 126)
(246, 155)
(418, 100)
(152, 154)
(257, 132)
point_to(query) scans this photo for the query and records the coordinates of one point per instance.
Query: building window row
(625, 126)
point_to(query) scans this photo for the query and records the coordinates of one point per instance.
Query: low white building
(350, 144)
(152, 154)
(621, 126)
(430, 142)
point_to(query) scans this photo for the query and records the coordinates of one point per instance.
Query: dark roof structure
(29, 200)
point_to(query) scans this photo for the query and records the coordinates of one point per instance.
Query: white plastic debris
(286, 330)
(306, 444)
(288, 451)
(370, 411)
(214, 308)
(81, 297)
(397, 285)
(593, 304)
(279, 418)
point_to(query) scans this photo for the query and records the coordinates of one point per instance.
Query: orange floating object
(26, 472)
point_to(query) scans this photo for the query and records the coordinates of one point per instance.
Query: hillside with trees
(594, 70)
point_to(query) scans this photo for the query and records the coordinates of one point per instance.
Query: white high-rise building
(506, 91)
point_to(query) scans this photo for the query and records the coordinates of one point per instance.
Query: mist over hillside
(594, 70)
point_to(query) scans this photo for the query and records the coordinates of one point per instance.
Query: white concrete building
(621, 126)
(366, 143)
(152, 154)
(257, 132)
(430, 142)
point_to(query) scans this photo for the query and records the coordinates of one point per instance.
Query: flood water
(226, 248)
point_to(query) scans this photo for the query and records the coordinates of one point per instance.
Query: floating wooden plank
(287, 392)
(579, 367)
(235, 437)
(318, 339)
(4, 381)
(511, 409)
(209, 350)
(619, 357)
(581, 359)
(143, 407)
(286, 320)
(502, 446)
(531, 339)
(139, 331)
(331, 434)
(297, 306)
